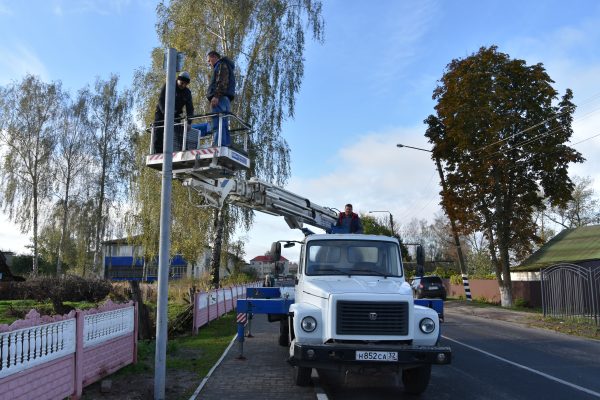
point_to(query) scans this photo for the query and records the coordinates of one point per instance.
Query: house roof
(267, 259)
(570, 245)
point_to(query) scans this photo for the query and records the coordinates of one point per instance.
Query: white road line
(574, 386)
(203, 382)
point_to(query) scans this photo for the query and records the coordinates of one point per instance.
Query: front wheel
(302, 376)
(284, 334)
(415, 380)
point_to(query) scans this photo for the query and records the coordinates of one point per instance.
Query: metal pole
(160, 359)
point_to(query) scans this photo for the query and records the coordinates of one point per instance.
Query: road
(492, 360)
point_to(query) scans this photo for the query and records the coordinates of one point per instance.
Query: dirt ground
(140, 385)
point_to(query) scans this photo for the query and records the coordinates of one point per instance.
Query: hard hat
(184, 76)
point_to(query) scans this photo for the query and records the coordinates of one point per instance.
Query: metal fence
(571, 291)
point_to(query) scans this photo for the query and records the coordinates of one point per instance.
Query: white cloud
(18, 60)
(372, 174)
(10, 237)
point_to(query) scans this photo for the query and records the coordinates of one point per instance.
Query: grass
(12, 310)
(191, 355)
(583, 327)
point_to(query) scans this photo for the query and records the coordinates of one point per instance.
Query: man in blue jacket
(221, 91)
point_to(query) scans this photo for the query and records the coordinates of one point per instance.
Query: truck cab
(353, 309)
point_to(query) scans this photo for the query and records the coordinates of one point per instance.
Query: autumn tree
(501, 130)
(111, 118)
(265, 39)
(29, 112)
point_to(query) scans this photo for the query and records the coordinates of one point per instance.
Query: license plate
(376, 356)
(433, 288)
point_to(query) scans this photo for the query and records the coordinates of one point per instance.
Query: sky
(367, 88)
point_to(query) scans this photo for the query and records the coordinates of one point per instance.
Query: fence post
(79, 321)
(195, 310)
(135, 331)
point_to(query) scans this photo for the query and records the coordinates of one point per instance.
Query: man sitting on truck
(348, 222)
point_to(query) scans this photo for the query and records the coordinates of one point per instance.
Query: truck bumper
(335, 355)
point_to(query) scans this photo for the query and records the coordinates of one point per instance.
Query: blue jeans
(223, 106)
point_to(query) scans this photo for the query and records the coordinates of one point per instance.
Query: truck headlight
(308, 324)
(427, 325)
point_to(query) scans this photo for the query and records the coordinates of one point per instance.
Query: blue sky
(367, 88)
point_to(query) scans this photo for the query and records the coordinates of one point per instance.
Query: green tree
(29, 113)
(502, 135)
(379, 226)
(71, 161)
(265, 39)
(111, 117)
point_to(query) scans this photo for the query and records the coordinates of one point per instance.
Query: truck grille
(372, 318)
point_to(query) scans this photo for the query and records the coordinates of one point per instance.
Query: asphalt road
(492, 360)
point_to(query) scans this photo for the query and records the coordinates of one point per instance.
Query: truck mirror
(276, 251)
(420, 256)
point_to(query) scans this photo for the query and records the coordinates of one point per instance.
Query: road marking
(574, 386)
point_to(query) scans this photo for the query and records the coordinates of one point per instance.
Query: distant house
(264, 265)
(124, 261)
(580, 246)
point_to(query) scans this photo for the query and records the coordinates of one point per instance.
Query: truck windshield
(352, 257)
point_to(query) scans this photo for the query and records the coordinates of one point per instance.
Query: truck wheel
(302, 376)
(415, 380)
(284, 335)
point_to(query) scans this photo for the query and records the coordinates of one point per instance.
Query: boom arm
(263, 196)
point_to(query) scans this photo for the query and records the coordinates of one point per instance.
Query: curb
(205, 379)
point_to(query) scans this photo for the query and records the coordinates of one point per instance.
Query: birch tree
(29, 113)
(71, 161)
(111, 116)
(265, 39)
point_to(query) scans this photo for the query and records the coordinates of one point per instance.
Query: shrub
(67, 288)
(456, 279)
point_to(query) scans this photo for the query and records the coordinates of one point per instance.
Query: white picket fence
(42, 341)
(25, 348)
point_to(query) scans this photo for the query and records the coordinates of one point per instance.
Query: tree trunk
(215, 262)
(99, 228)
(35, 228)
(65, 220)
(145, 324)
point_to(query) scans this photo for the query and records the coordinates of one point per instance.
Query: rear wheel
(415, 380)
(302, 376)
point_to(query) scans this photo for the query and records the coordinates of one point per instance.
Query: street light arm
(415, 148)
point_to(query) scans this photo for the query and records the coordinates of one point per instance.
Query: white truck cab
(353, 309)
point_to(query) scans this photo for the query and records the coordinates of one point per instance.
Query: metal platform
(229, 158)
(200, 153)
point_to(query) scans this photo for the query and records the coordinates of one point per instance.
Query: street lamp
(461, 259)
(391, 219)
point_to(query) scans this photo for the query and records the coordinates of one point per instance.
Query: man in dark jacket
(349, 222)
(221, 92)
(183, 98)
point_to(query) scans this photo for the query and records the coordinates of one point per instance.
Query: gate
(571, 291)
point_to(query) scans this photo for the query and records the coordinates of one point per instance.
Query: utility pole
(160, 359)
(461, 259)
